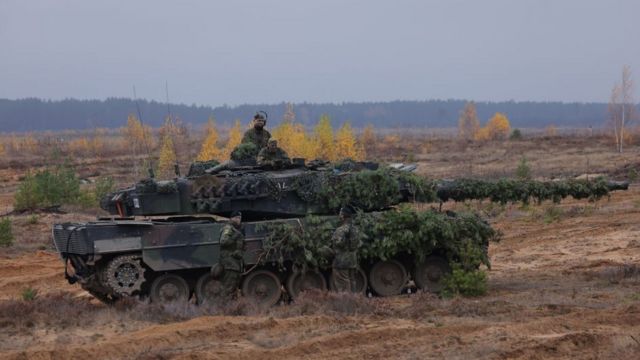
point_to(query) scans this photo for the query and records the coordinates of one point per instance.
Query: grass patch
(6, 232)
(29, 294)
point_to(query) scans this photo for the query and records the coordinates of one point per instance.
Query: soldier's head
(259, 120)
(346, 212)
(272, 144)
(235, 218)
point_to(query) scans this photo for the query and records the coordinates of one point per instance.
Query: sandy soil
(563, 286)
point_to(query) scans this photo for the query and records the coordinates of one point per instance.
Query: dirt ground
(564, 284)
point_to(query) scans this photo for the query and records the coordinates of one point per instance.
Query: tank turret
(263, 192)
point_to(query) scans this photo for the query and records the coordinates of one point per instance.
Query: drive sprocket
(124, 274)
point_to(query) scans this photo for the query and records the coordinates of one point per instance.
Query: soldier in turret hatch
(273, 155)
(231, 255)
(257, 134)
(346, 242)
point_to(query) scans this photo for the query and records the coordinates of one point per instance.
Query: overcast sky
(234, 52)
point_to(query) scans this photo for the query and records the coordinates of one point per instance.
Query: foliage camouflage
(463, 237)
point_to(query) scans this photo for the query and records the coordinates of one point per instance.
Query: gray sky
(233, 52)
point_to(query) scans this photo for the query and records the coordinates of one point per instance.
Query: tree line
(36, 114)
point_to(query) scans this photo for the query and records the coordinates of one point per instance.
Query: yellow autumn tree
(209, 149)
(468, 123)
(2, 150)
(137, 135)
(79, 146)
(497, 128)
(368, 140)
(346, 145)
(293, 138)
(550, 131)
(167, 157)
(235, 137)
(97, 144)
(323, 136)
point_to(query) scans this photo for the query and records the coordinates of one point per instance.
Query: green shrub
(523, 171)
(464, 282)
(47, 188)
(633, 175)
(516, 134)
(104, 186)
(552, 214)
(29, 294)
(6, 232)
(33, 219)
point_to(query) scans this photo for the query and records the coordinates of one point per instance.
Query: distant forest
(36, 114)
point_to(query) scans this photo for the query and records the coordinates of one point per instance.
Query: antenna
(144, 133)
(166, 89)
(176, 166)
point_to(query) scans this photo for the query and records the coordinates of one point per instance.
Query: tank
(163, 236)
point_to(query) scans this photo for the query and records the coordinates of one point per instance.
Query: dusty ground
(565, 283)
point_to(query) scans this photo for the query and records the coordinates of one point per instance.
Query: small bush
(552, 214)
(47, 188)
(516, 134)
(33, 219)
(523, 171)
(6, 232)
(464, 282)
(29, 294)
(633, 175)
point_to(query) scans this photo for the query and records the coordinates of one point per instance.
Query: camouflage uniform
(275, 157)
(231, 254)
(258, 137)
(346, 243)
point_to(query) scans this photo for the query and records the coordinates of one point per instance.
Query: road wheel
(388, 277)
(298, 282)
(430, 272)
(208, 289)
(361, 281)
(169, 288)
(263, 287)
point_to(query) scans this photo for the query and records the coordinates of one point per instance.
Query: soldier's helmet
(261, 115)
(347, 211)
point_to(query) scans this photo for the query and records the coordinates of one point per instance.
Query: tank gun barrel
(514, 190)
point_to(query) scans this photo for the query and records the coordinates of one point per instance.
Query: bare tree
(468, 123)
(621, 107)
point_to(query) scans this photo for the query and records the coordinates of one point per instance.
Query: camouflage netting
(367, 190)
(462, 237)
(198, 168)
(510, 190)
(245, 153)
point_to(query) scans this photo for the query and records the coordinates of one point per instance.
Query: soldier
(231, 254)
(273, 155)
(346, 243)
(257, 135)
